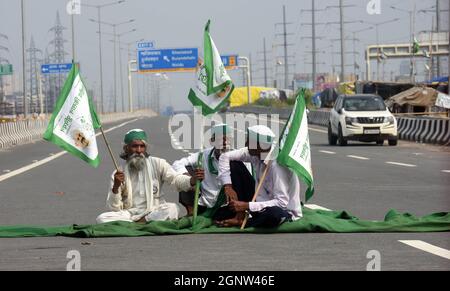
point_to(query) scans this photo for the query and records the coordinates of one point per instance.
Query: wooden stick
(256, 192)
(200, 161)
(109, 149)
(196, 196)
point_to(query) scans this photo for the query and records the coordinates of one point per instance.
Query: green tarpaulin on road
(318, 221)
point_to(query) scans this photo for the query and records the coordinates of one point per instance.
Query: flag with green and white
(416, 46)
(295, 151)
(213, 85)
(74, 120)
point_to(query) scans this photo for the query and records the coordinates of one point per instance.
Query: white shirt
(280, 188)
(161, 173)
(210, 185)
(139, 197)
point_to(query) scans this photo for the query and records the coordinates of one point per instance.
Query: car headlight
(389, 119)
(350, 120)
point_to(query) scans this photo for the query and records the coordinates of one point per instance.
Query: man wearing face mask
(279, 198)
(210, 187)
(135, 193)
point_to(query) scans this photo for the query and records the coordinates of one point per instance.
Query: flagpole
(198, 183)
(256, 192)
(109, 149)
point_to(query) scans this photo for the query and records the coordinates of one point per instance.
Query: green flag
(73, 123)
(213, 85)
(416, 46)
(295, 152)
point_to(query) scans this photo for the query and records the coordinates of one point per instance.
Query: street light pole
(314, 45)
(120, 67)
(99, 7)
(25, 107)
(378, 46)
(413, 55)
(247, 68)
(411, 35)
(102, 108)
(438, 29)
(114, 25)
(130, 85)
(341, 8)
(73, 37)
(411, 71)
(115, 69)
(378, 54)
(286, 66)
(265, 63)
(120, 62)
(354, 48)
(121, 75)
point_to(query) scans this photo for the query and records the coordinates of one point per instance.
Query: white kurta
(280, 188)
(210, 185)
(132, 205)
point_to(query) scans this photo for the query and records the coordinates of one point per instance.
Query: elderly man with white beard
(135, 193)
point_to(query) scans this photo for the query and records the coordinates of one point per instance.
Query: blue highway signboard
(146, 45)
(230, 62)
(56, 68)
(168, 60)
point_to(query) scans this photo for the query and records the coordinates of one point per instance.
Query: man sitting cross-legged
(279, 197)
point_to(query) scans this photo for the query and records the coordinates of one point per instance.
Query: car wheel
(393, 142)
(380, 142)
(341, 138)
(332, 139)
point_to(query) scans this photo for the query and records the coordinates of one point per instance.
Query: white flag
(213, 85)
(73, 123)
(295, 150)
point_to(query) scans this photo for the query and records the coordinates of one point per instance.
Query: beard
(136, 162)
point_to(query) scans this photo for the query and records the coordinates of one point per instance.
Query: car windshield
(370, 103)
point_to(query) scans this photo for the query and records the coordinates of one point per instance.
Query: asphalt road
(364, 179)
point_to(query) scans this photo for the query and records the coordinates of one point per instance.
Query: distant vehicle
(363, 118)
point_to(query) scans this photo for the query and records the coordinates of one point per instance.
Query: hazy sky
(238, 27)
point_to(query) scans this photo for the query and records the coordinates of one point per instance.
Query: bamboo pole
(109, 149)
(199, 165)
(257, 192)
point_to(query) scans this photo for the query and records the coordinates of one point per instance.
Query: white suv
(363, 118)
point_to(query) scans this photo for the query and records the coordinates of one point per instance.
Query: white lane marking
(357, 157)
(284, 122)
(328, 152)
(6, 171)
(51, 158)
(445, 171)
(31, 166)
(316, 207)
(401, 164)
(429, 248)
(317, 130)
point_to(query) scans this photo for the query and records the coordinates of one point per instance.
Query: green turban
(135, 134)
